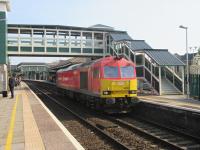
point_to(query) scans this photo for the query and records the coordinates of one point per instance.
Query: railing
(170, 75)
(152, 79)
(113, 52)
(195, 85)
(155, 70)
(145, 71)
(142, 71)
(174, 79)
(43, 40)
(177, 76)
(178, 84)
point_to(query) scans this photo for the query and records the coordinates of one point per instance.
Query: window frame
(118, 73)
(133, 73)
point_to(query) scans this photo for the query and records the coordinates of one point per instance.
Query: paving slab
(179, 101)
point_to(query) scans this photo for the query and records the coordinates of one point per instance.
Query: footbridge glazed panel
(55, 40)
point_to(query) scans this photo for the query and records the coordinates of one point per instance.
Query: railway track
(84, 121)
(164, 138)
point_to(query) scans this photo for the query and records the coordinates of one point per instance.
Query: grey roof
(31, 64)
(183, 57)
(69, 62)
(139, 45)
(101, 26)
(120, 36)
(97, 27)
(164, 58)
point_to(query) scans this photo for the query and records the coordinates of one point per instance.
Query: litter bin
(4, 93)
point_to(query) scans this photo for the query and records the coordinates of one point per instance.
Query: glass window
(98, 36)
(111, 72)
(127, 72)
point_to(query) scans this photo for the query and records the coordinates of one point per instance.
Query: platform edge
(76, 144)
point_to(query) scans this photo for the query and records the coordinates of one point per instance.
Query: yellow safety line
(9, 138)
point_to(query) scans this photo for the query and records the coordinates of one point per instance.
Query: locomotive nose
(120, 85)
(119, 88)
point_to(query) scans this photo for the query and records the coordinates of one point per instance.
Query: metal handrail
(173, 72)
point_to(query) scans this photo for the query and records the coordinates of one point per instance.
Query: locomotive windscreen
(127, 72)
(84, 80)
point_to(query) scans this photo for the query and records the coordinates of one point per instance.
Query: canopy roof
(164, 58)
(120, 36)
(139, 44)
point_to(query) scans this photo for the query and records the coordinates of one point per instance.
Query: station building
(156, 68)
(33, 71)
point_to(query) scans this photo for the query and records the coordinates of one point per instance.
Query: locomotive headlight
(132, 92)
(106, 92)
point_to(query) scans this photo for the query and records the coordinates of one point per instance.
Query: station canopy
(120, 36)
(139, 44)
(163, 57)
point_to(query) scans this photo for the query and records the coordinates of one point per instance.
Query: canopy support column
(183, 83)
(160, 83)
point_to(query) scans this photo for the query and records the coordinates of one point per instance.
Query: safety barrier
(195, 86)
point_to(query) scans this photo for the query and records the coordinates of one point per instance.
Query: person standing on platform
(12, 85)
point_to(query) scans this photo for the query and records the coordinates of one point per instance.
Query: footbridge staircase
(158, 71)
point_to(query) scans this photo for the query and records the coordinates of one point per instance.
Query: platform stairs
(168, 88)
(171, 83)
(171, 80)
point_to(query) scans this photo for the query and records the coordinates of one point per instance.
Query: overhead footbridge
(57, 40)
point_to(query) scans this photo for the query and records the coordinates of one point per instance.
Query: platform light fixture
(187, 64)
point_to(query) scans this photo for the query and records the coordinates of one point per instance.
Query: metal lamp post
(187, 65)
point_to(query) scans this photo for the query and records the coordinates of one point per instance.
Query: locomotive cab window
(127, 71)
(111, 72)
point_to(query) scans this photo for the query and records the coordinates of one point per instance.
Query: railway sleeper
(193, 147)
(160, 135)
(142, 126)
(103, 126)
(155, 131)
(179, 140)
(168, 137)
(185, 143)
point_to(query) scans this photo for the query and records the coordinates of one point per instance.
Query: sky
(155, 21)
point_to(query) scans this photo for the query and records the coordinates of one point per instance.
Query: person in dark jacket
(12, 85)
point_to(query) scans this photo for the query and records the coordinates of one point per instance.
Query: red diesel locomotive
(108, 83)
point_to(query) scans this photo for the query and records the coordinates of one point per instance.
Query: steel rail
(93, 127)
(131, 127)
(146, 133)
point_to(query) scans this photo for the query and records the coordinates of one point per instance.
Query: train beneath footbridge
(107, 84)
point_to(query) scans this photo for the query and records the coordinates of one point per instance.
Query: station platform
(176, 101)
(27, 124)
